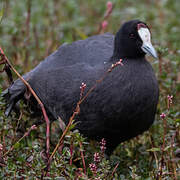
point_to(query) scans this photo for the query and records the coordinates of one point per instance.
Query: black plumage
(122, 106)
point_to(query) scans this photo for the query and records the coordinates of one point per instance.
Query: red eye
(131, 35)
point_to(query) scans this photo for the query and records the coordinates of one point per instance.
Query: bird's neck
(123, 48)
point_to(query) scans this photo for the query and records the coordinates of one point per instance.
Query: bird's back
(51, 73)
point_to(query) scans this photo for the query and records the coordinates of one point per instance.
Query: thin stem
(82, 157)
(35, 96)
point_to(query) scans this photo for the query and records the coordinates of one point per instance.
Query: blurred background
(30, 30)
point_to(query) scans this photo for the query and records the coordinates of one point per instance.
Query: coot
(121, 107)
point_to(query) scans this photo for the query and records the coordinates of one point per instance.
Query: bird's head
(133, 40)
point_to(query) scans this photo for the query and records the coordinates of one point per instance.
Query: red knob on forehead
(141, 25)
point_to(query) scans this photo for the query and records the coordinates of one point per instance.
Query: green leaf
(177, 120)
(16, 146)
(154, 149)
(1, 14)
(166, 148)
(81, 34)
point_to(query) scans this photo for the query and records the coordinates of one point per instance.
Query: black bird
(121, 107)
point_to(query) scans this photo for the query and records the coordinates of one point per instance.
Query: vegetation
(32, 29)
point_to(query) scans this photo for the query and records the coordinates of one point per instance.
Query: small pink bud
(170, 99)
(93, 167)
(119, 62)
(116, 64)
(103, 142)
(163, 115)
(103, 148)
(83, 86)
(1, 147)
(104, 24)
(109, 6)
(33, 127)
(103, 145)
(96, 157)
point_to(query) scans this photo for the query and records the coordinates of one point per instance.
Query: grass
(31, 30)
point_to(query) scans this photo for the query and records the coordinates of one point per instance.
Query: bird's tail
(13, 94)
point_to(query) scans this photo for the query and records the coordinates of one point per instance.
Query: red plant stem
(106, 16)
(82, 157)
(154, 153)
(172, 154)
(36, 39)
(164, 134)
(114, 170)
(160, 64)
(61, 139)
(77, 110)
(47, 129)
(163, 147)
(28, 19)
(35, 96)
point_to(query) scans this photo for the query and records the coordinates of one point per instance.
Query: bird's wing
(91, 51)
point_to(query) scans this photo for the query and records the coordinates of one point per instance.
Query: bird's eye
(131, 35)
